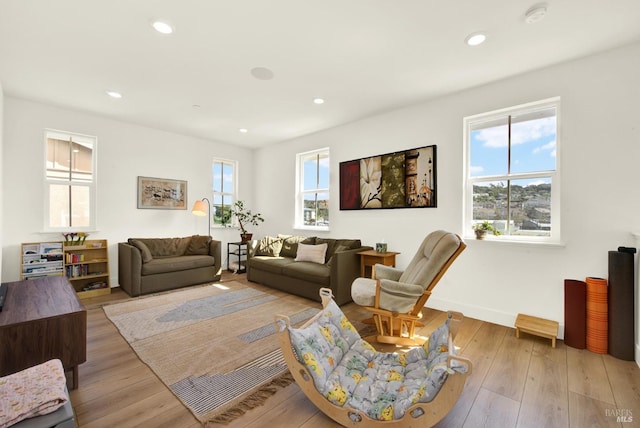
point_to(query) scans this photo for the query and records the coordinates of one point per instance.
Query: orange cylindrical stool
(597, 321)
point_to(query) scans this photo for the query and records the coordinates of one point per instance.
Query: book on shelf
(75, 258)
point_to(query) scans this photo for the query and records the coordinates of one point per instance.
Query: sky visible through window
(310, 177)
(533, 148)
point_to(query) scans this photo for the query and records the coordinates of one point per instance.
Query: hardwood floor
(515, 383)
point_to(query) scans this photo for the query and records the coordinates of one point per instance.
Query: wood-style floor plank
(117, 389)
(492, 410)
(586, 412)
(625, 385)
(587, 375)
(508, 371)
(545, 400)
(481, 350)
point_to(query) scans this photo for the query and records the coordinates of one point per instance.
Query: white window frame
(233, 193)
(299, 205)
(468, 122)
(92, 185)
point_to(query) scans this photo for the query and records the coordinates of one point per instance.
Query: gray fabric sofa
(149, 265)
(271, 262)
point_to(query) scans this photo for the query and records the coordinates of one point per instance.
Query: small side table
(237, 257)
(369, 258)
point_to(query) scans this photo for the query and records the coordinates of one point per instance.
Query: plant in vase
(245, 218)
(75, 238)
(481, 229)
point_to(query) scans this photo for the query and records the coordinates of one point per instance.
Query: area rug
(214, 346)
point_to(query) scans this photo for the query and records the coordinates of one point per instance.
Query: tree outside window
(224, 190)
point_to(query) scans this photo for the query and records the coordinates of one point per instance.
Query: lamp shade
(200, 208)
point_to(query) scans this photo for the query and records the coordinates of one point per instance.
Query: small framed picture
(162, 193)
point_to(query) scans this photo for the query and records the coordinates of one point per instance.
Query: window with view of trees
(224, 190)
(512, 179)
(312, 202)
(70, 178)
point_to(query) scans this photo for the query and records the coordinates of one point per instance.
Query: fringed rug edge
(255, 399)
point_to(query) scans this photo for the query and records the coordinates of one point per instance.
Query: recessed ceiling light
(535, 13)
(243, 130)
(318, 101)
(262, 73)
(114, 94)
(475, 39)
(162, 27)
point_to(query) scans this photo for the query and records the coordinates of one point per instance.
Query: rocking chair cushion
(349, 372)
(394, 296)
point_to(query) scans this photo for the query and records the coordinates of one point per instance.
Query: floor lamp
(201, 209)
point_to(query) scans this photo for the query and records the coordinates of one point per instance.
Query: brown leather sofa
(149, 265)
(271, 262)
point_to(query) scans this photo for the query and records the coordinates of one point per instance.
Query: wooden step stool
(537, 327)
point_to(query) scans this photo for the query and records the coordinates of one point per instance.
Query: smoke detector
(535, 13)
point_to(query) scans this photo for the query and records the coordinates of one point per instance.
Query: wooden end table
(42, 319)
(369, 258)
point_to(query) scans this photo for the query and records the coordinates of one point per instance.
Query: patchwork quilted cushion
(350, 372)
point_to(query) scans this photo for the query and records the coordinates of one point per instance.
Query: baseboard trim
(482, 313)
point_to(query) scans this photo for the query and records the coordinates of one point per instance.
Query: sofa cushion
(269, 264)
(174, 264)
(269, 246)
(144, 250)
(334, 245)
(307, 271)
(311, 253)
(165, 247)
(198, 245)
(290, 244)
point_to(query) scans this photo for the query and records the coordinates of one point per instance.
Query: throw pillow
(290, 244)
(311, 253)
(199, 245)
(144, 250)
(269, 246)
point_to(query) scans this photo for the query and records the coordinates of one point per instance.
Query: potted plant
(481, 229)
(245, 218)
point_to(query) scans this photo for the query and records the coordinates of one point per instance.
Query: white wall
(125, 152)
(1, 170)
(494, 281)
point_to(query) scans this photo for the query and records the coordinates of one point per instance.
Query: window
(512, 177)
(312, 201)
(70, 181)
(224, 190)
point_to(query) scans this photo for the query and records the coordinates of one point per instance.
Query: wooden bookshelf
(87, 267)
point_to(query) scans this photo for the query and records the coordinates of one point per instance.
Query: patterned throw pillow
(269, 246)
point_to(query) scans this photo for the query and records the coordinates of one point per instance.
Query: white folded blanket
(35, 391)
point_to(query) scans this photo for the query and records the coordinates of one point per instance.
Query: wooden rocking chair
(396, 297)
(346, 379)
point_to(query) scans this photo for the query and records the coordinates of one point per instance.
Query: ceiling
(362, 56)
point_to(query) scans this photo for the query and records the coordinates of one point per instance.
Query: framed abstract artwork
(405, 179)
(162, 193)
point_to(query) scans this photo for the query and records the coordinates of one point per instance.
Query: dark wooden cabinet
(42, 319)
